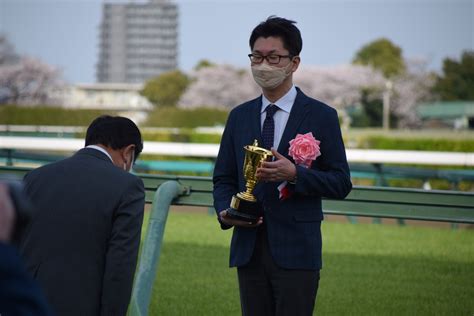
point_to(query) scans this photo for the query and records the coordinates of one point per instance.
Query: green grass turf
(368, 269)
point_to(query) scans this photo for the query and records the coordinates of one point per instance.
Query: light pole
(386, 105)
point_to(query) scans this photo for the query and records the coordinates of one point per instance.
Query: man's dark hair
(279, 27)
(115, 132)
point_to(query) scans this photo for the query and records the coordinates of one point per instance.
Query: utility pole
(386, 105)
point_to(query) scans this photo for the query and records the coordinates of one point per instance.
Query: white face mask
(269, 77)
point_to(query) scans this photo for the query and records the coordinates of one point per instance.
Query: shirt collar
(285, 103)
(101, 150)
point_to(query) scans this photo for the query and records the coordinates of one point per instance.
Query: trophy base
(241, 216)
(244, 210)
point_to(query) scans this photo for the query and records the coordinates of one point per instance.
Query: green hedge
(381, 142)
(183, 135)
(423, 140)
(187, 118)
(46, 115)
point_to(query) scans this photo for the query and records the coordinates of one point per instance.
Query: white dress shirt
(285, 103)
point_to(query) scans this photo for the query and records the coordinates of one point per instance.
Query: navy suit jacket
(293, 225)
(82, 243)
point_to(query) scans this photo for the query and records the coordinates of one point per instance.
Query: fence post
(150, 254)
(9, 157)
(380, 182)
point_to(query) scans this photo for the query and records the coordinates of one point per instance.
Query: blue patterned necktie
(268, 129)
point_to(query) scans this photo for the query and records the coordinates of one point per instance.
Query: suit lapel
(256, 129)
(298, 112)
(256, 133)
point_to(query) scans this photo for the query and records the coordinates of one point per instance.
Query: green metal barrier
(150, 254)
(381, 202)
(380, 174)
(173, 167)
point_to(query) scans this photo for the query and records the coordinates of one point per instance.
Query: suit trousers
(267, 289)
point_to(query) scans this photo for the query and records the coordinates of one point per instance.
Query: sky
(65, 33)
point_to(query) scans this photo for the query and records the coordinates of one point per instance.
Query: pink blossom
(304, 148)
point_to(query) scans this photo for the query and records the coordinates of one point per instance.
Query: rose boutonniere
(304, 149)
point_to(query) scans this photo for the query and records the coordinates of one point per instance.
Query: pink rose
(304, 148)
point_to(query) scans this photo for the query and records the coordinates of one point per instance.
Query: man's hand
(226, 219)
(7, 214)
(278, 170)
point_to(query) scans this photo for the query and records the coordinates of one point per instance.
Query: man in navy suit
(278, 258)
(82, 243)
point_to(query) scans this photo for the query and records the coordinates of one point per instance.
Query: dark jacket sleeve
(19, 293)
(122, 251)
(225, 176)
(329, 176)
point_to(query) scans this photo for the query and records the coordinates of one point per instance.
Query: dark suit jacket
(82, 243)
(293, 225)
(19, 293)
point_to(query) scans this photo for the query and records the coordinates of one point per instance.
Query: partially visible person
(82, 242)
(19, 293)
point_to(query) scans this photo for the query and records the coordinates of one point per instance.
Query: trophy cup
(243, 205)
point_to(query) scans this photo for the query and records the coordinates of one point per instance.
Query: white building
(138, 41)
(122, 98)
(104, 96)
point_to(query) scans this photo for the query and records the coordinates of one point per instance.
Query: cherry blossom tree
(341, 86)
(25, 80)
(409, 89)
(227, 86)
(221, 86)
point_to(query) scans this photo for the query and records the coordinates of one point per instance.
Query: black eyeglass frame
(262, 58)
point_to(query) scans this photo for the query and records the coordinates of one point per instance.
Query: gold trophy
(243, 205)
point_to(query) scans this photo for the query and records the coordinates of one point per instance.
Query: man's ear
(296, 62)
(127, 153)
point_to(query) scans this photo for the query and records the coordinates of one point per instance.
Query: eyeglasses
(271, 59)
